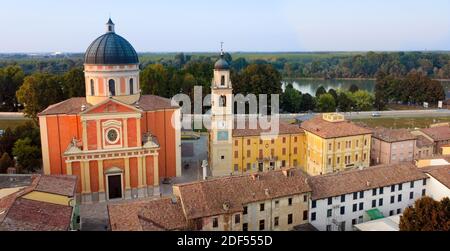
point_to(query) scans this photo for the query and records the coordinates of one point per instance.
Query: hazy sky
(244, 25)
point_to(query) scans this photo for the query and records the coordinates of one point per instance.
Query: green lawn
(408, 123)
(11, 123)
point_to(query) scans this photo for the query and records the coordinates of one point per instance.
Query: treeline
(293, 101)
(433, 65)
(290, 65)
(414, 89)
(38, 90)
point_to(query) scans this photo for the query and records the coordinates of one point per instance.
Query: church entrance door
(115, 186)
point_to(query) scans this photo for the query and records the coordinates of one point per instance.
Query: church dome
(110, 49)
(222, 64)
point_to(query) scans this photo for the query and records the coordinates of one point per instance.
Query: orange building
(118, 142)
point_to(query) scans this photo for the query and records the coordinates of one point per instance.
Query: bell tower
(221, 132)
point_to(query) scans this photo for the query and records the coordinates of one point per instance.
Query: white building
(438, 186)
(342, 200)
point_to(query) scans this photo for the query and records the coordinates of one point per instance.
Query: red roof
(73, 106)
(30, 215)
(327, 130)
(440, 133)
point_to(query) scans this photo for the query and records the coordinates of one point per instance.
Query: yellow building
(253, 153)
(334, 144)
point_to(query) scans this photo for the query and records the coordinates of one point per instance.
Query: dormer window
(222, 81)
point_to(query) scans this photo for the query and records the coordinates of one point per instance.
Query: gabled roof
(439, 133)
(347, 182)
(30, 215)
(73, 106)
(229, 194)
(393, 135)
(422, 141)
(441, 173)
(152, 215)
(57, 184)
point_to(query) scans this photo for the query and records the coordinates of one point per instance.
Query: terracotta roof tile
(326, 129)
(124, 216)
(70, 106)
(57, 184)
(153, 103)
(284, 128)
(439, 133)
(392, 135)
(441, 173)
(30, 215)
(422, 141)
(162, 214)
(361, 180)
(207, 198)
(73, 106)
(148, 215)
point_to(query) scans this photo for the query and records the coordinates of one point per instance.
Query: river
(310, 85)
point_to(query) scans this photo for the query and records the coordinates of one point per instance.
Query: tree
(427, 215)
(28, 155)
(11, 77)
(326, 103)
(363, 100)
(333, 93)
(344, 102)
(307, 103)
(320, 91)
(7, 141)
(353, 88)
(39, 91)
(154, 80)
(291, 99)
(5, 163)
(74, 83)
(258, 79)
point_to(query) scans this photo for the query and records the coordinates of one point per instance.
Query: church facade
(120, 144)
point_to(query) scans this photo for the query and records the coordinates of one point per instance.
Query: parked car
(376, 114)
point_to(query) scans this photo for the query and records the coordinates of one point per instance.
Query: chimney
(368, 183)
(174, 199)
(266, 192)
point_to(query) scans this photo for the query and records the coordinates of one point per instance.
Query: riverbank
(350, 79)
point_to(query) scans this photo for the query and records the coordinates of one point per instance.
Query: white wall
(322, 206)
(436, 189)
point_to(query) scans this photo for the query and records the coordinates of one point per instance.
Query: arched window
(112, 87)
(223, 101)
(131, 86)
(92, 88)
(222, 81)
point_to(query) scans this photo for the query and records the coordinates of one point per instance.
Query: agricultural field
(407, 123)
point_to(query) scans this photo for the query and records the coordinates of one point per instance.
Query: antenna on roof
(221, 49)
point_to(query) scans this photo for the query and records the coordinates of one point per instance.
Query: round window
(112, 136)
